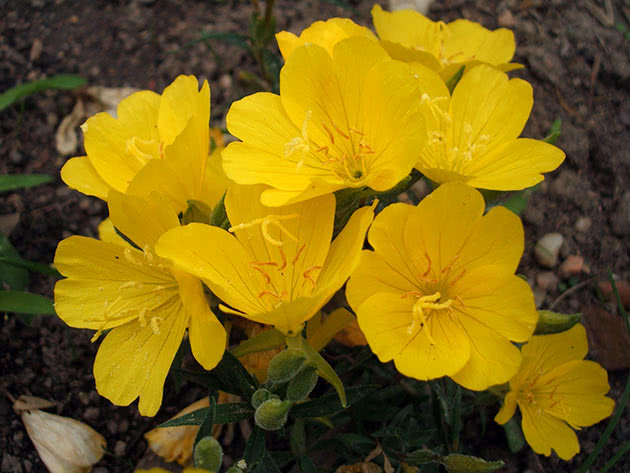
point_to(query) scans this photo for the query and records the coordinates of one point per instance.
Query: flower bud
(261, 395)
(302, 384)
(272, 414)
(285, 365)
(208, 454)
(554, 322)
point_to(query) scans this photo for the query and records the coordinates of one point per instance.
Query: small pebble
(547, 280)
(506, 19)
(91, 413)
(572, 265)
(547, 249)
(583, 224)
(119, 448)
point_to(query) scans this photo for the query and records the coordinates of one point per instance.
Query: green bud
(208, 454)
(554, 322)
(197, 211)
(302, 384)
(456, 463)
(261, 395)
(285, 365)
(272, 414)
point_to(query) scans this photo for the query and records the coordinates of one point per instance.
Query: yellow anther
(155, 324)
(266, 292)
(331, 137)
(450, 265)
(264, 223)
(299, 143)
(142, 317)
(452, 283)
(426, 273)
(142, 150)
(420, 317)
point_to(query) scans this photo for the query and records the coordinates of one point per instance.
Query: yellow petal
(574, 391)
(385, 320)
(493, 359)
(374, 274)
(141, 220)
(108, 284)
(181, 102)
(334, 323)
(107, 232)
(515, 165)
(215, 182)
(323, 33)
(498, 240)
(503, 303)
(134, 360)
(289, 316)
(469, 41)
(345, 251)
(259, 159)
(296, 240)
(444, 221)
(407, 28)
(544, 432)
(412, 55)
(507, 409)
(489, 109)
(78, 173)
(219, 259)
(439, 349)
(545, 352)
(207, 335)
(106, 138)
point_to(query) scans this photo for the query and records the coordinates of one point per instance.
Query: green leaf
(306, 465)
(10, 182)
(61, 81)
(232, 374)
(218, 217)
(456, 463)
(514, 435)
(267, 465)
(208, 423)
(18, 262)
(25, 303)
(297, 438)
(554, 322)
(554, 131)
(329, 404)
(224, 414)
(518, 200)
(262, 342)
(11, 276)
(454, 80)
(255, 447)
(421, 457)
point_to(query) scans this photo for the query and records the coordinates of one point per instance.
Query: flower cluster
(200, 234)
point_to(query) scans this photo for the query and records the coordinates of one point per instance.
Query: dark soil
(576, 59)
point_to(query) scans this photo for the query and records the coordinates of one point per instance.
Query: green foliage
(452, 82)
(208, 454)
(10, 182)
(25, 303)
(554, 131)
(61, 81)
(224, 414)
(12, 276)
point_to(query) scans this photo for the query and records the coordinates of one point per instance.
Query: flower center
(344, 153)
(144, 150)
(424, 308)
(121, 308)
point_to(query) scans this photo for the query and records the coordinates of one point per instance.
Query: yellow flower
(168, 134)
(438, 295)
(557, 391)
(279, 268)
(350, 120)
(473, 137)
(147, 305)
(323, 33)
(411, 37)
